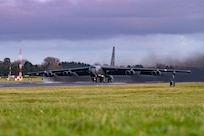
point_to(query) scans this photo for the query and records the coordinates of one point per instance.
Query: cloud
(130, 50)
(139, 29)
(93, 19)
(43, 1)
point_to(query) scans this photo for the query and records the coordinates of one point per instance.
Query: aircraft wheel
(172, 83)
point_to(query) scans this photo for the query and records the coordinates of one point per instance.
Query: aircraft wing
(62, 72)
(141, 71)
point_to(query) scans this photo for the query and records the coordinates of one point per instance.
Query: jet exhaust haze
(195, 60)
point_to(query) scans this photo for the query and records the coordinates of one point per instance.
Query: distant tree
(169, 67)
(1, 68)
(72, 64)
(7, 61)
(51, 63)
(27, 67)
(4, 70)
(15, 68)
(5, 67)
(1, 63)
(139, 66)
(160, 66)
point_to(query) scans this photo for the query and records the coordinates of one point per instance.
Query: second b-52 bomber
(99, 73)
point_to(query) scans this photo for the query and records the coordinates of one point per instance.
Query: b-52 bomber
(99, 73)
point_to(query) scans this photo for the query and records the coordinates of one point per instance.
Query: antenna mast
(20, 65)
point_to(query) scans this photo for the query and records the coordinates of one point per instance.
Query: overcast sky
(86, 30)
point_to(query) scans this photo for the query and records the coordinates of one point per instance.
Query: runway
(57, 84)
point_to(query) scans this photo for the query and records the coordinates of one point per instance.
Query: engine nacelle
(156, 73)
(130, 72)
(48, 74)
(68, 73)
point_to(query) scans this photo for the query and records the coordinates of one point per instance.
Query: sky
(143, 31)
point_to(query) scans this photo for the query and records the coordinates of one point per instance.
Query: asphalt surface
(43, 85)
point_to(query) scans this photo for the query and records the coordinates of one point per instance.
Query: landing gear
(109, 78)
(172, 82)
(96, 79)
(102, 79)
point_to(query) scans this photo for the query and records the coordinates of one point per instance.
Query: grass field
(143, 110)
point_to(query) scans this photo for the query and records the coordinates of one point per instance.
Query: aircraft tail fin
(113, 57)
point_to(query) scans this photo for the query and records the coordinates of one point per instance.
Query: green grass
(142, 110)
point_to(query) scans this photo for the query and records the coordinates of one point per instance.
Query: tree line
(49, 63)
